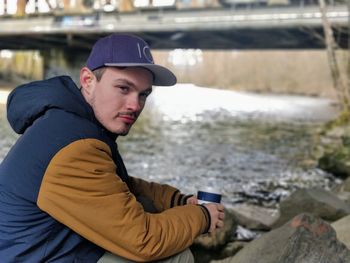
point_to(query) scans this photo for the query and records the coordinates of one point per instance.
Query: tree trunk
(339, 86)
(348, 53)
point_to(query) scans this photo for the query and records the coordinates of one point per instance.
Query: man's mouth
(128, 118)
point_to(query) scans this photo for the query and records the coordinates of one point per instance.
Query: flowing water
(254, 148)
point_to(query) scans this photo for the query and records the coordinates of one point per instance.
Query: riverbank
(311, 225)
(292, 72)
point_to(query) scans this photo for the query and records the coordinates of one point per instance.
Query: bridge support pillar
(63, 62)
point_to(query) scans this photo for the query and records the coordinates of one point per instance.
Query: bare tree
(341, 86)
(348, 59)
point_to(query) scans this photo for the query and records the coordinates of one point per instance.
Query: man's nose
(133, 103)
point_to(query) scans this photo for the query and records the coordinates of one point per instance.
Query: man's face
(119, 97)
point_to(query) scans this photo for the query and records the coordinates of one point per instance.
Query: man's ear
(87, 81)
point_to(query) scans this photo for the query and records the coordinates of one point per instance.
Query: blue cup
(208, 196)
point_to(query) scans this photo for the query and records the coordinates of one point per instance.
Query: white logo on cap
(146, 52)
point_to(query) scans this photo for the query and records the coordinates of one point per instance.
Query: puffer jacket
(65, 195)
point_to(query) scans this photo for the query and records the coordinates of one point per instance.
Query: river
(253, 147)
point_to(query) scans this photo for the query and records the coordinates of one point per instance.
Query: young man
(65, 195)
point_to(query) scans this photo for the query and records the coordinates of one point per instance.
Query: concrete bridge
(220, 28)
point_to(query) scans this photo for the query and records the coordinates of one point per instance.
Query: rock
(346, 185)
(342, 229)
(305, 239)
(337, 162)
(343, 190)
(221, 237)
(244, 234)
(232, 248)
(343, 187)
(345, 196)
(316, 201)
(334, 149)
(254, 217)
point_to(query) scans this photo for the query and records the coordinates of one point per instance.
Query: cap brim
(162, 76)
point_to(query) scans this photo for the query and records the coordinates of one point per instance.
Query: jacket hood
(28, 102)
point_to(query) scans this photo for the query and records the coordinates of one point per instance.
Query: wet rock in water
(316, 201)
(333, 151)
(337, 162)
(254, 217)
(244, 234)
(346, 185)
(305, 239)
(343, 190)
(342, 229)
(221, 237)
(343, 187)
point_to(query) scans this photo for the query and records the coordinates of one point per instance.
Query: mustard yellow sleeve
(81, 190)
(163, 196)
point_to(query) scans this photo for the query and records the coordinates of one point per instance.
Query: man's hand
(192, 200)
(217, 216)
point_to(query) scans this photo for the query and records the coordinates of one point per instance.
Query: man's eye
(123, 89)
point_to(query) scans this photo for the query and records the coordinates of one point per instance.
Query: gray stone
(343, 187)
(221, 237)
(316, 201)
(342, 190)
(345, 196)
(342, 228)
(346, 185)
(232, 248)
(336, 162)
(254, 217)
(335, 157)
(305, 239)
(245, 234)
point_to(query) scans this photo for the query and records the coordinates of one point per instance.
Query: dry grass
(277, 71)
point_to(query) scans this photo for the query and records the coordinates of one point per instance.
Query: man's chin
(121, 132)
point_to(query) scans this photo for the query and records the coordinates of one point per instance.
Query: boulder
(345, 196)
(342, 229)
(245, 234)
(337, 162)
(305, 239)
(254, 217)
(335, 153)
(221, 237)
(343, 190)
(232, 248)
(346, 185)
(316, 201)
(343, 186)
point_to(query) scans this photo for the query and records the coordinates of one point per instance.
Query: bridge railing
(24, 8)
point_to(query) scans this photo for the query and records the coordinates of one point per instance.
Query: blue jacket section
(51, 114)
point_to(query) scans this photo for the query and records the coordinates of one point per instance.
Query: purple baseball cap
(121, 50)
